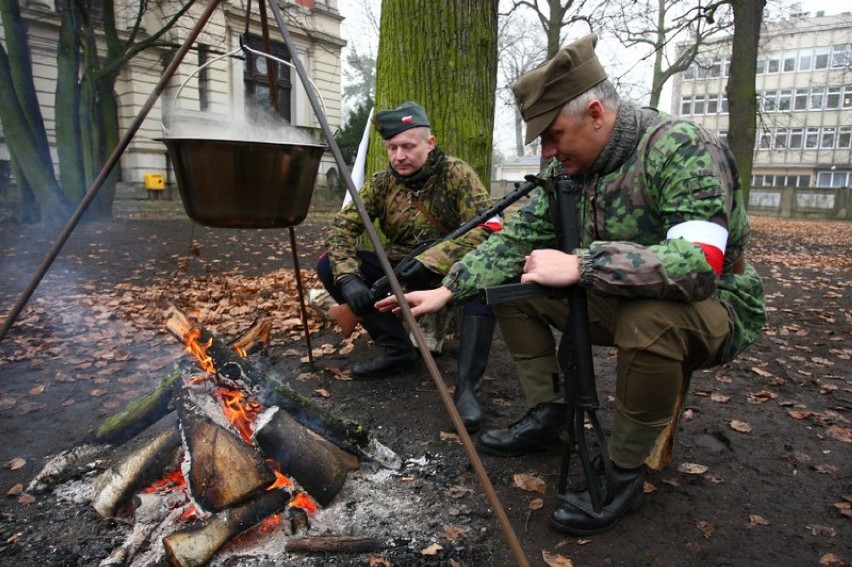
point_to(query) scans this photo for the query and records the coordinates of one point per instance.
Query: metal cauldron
(242, 184)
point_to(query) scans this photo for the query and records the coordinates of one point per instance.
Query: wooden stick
(339, 544)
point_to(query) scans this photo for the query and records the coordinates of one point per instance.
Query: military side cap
(543, 92)
(409, 114)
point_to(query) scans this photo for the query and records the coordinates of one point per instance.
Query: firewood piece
(332, 544)
(70, 463)
(317, 465)
(197, 545)
(139, 414)
(143, 463)
(661, 456)
(223, 469)
(256, 338)
(347, 435)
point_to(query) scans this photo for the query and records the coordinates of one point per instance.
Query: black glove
(417, 276)
(357, 294)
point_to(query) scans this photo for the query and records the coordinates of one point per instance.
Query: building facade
(222, 80)
(804, 89)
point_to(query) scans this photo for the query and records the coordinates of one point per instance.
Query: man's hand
(421, 302)
(357, 294)
(552, 268)
(418, 276)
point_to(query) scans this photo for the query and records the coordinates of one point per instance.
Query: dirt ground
(762, 473)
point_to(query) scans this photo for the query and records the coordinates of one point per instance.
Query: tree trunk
(741, 91)
(442, 55)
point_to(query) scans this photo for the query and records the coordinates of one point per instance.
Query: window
(817, 98)
(800, 99)
(757, 181)
(774, 63)
(698, 104)
(716, 69)
(832, 99)
(203, 77)
(769, 101)
(795, 141)
(726, 67)
(839, 57)
(847, 97)
(784, 98)
(686, 106)
(789, 63)
(827, 138)
(689, 73)
(821, 55)
(844, 138)
(781, 139)
(806, 59)
(834, 178)
(724, 104)
(723, 136)
(764, 139)
(811, 138)
(713, 104)
(761, 66)
(257, 81)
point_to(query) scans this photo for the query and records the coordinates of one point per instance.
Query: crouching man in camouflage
(663, 231)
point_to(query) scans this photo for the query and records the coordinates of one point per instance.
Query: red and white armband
(494, 224)
(711, 237)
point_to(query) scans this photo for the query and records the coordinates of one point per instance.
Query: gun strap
(429, 216)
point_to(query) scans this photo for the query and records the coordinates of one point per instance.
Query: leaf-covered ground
(761, 471)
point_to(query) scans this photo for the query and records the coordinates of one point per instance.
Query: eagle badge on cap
(407, 119)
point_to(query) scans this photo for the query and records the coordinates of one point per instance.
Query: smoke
(253, 124)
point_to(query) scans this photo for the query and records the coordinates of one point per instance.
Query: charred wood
(142, 463)
(256, 338)
(331, 544)
(346, 434)
(317, 465)
(223, 470)
(70, 463)
(196, 546)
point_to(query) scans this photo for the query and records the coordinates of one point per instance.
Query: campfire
(217, 453)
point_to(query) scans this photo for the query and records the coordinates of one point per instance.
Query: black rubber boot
(539, 428)
(575, 514)
(398, 355)
(474, 347)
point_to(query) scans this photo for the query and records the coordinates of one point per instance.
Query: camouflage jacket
(679, 172)
(452, 195)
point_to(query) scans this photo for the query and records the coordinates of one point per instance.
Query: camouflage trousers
(659, 343)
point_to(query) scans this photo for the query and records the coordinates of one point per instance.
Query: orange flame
(305, 502)
(168, 483)
(199, 350)
(241, 414)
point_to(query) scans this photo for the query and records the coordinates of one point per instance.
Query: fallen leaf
(706, 528)
(529, 482)
(37, 390)
(740, 426)
(760, 397)
(97, 393)
(762, 372)
(323, 392)
(452, 437)
(536, 504)
(15, 490)
(692, 468)
(556, 560)
(459, 491)
(648, 488)
(379, 561)
(16, 463)
(431, 549)
(817, 529)
(754, 519)
(825, 469)
(830, 559)
(797, 414)
(720, 398)
(452, 533)
(843, 434)
(26, 499)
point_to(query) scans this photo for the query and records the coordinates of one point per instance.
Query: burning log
(142, 464)
(255, 339)
(197, 545)
(347, 435)
(317, 465)
(223, 469)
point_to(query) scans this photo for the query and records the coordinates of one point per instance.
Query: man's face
(409, 150)
(576, 143)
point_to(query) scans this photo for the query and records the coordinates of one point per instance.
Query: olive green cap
(409, 114)
(543, 92)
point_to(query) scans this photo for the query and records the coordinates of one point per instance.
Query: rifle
(343, 315)
(575, 349)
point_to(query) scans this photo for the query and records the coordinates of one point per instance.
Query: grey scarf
(630, 124)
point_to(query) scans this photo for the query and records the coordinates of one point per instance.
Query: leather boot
(398, 355)
(474, 347)
(539, 428)
(575, 514)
